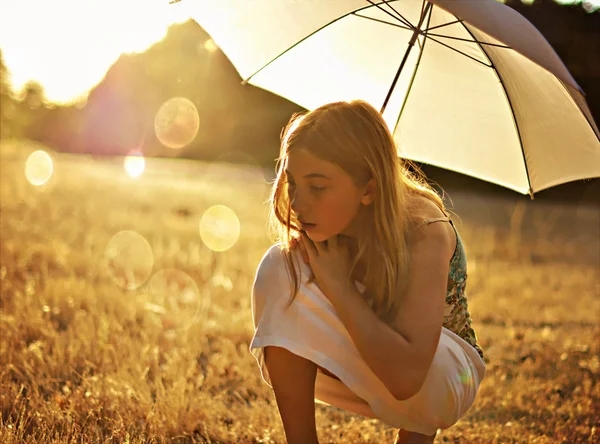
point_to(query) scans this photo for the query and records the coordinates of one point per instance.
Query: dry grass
(85, 359)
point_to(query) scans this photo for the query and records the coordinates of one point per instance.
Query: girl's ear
(369, 196)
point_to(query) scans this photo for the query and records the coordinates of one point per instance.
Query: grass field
(143, 337)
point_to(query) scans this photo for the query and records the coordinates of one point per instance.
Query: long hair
(354, 136)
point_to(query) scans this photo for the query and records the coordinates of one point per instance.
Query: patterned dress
(457, 318)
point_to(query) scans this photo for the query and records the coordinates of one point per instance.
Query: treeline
(120, 111)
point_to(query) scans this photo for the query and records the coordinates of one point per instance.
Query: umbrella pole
(413, 39)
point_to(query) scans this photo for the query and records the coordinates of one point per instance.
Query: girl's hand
(330, 263)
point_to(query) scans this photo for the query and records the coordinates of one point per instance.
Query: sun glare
(210, 45)
(175, 297)
(134, 165)
(129, 259)
(68, 45)
(219, 228)
(39, 168)
(177, 122)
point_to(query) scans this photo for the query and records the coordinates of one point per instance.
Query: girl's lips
(308, 227)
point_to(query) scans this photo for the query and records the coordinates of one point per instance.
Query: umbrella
(466, 85)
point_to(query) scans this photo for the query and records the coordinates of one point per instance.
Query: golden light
(219, 228)
(39, 168)
(210, 45)
(134, 165)
(177, 122)
(221, 281)
(174, 296)
(246, 170)
(129, 259)
(80, 40)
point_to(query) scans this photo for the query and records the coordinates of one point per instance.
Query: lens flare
(210, 45)
(174, 296)
(219, 228)
(177, 122)
(39, 168)
(134, 164)
(129, 259)
(465, 376)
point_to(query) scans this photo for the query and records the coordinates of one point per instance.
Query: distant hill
(120, 110)
(232, 116)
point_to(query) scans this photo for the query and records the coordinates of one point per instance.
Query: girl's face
(321, 193)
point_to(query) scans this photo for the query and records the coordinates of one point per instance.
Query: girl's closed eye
(312, 187)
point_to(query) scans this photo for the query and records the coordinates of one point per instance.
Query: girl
(361, 304)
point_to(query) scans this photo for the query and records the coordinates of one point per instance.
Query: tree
(7, 104)
(32, 95)
(588, 5)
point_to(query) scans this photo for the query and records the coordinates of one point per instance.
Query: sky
(68, 45)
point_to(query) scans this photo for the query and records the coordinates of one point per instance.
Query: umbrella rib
(400, 18)
(423, 6)
(389, 5)
(421, 46)
(512, 110)
(444, 24)
(381, 21)
(412, 80)
(467, 40)
(580, 110)
(247, 79)
(458, 51)
(411, 43)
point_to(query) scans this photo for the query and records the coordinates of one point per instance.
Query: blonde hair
(354, 136)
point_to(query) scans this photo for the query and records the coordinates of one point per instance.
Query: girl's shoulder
(270, 271)
(425, 211)
(273, 260)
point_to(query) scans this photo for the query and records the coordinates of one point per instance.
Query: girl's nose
(297, 204)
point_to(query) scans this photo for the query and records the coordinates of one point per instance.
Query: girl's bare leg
(406, 437)
(293, 380)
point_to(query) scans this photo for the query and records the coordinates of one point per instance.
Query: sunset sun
(67, 45)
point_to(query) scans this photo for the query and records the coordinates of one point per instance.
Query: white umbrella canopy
(466, 85)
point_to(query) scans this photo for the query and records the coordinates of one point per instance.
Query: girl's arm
(401, 356)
